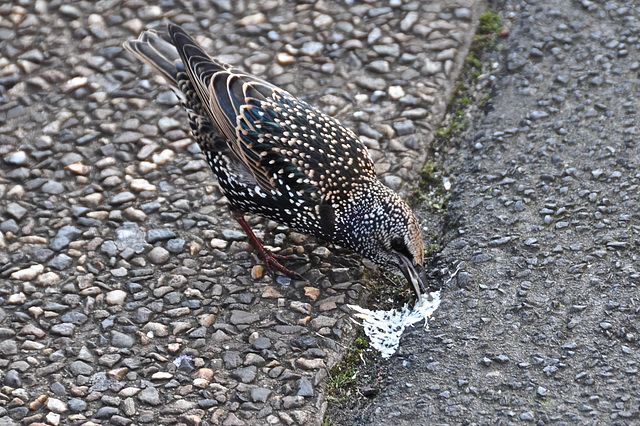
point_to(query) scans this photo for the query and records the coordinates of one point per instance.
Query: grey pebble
(304, 387)
(233, 235)
(122, 197)
(77, 405)
(65, 235)
(260, 394)
(80, 367)
(16, 211)
(64, 329)
(76, 318)
(245, 374)
(16, 158)
(159, 234)
(9, 226)
(150, 396)
(371, 83)
(243, 317)
(121, 340)
(106, 412)
(53, 187)
(12, 378)
(381, 67)
(109, 248)
(159, 255)
(405, 127)
(60, 262)
(176, 245)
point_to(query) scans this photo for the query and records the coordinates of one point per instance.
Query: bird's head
(383, 228)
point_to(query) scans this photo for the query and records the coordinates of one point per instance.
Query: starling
(276, 156)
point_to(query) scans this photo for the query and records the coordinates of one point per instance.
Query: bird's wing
(225, 92)
(287, 145)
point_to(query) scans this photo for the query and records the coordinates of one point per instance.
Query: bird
(276, 156)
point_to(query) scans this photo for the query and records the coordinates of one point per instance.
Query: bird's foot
(272, 261)
(274, 264)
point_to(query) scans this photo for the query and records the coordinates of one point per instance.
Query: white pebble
(163, 158)
(48, 278)
(16, 158)
(116, 297)
(27, 274)
(56, 406)
(396, 92)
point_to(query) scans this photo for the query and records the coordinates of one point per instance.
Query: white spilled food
(384, 328)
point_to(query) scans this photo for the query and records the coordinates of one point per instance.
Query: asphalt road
(541, 324)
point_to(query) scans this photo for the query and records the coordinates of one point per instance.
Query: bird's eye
(398, 244)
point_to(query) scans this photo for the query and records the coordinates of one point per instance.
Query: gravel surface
(541, 324)
(128, 295)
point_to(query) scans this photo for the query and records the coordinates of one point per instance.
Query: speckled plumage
(276, 156)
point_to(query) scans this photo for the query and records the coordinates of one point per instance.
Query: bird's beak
(414, 274)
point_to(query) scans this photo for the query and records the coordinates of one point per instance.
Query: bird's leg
(272, 260)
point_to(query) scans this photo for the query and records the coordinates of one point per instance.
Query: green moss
(489, 29)
(490, 23)
(343, 379)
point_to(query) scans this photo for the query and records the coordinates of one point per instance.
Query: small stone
(405, 127)
(27, 274)
(159, 255)
(158, 330)
(218, 243)
(65, 235)
(527, 416)
(64, 329)
(116, 297)
(243, 317)
(312, 293)
(16, 158)
(245, 375)
(47, 279)
(53, 419)
(311, 364)
(408, 21)
(16, 211)
(121, 340)
(396, 92)
(304, 387)
(159, 234)
(106, 413)
(38, 402)
(257, 271)
(78, 168)
(252, 20)
(80, 367)
(284, 58)
(312, 48)
(77, 405)
(17, 299)
(149, 396)
(122, 197)
(260, 394)
(74, 84)
(149, 13)
(61, 262)
(292, 401)
(139, 185)
(56, 406)
(371, 83)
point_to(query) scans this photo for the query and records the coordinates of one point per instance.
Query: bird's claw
(273, 263)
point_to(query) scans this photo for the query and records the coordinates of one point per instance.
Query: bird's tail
(160, 54)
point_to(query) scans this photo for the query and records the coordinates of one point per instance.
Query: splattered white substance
(384, 328)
